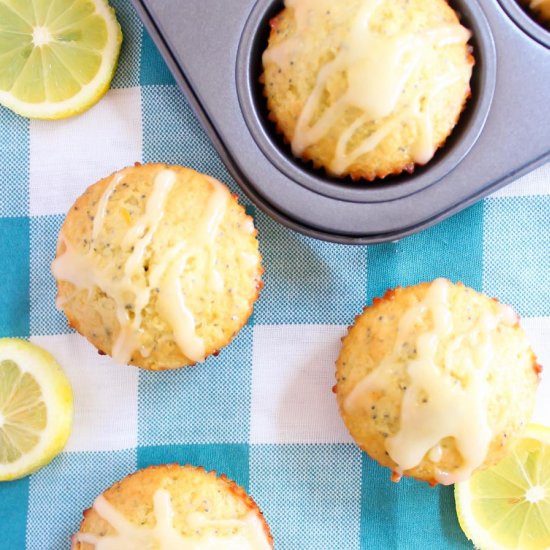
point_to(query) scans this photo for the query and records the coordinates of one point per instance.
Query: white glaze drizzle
(436, 404)
(171, 300)
(131, 290)
(136, 240)
(364, 53)
(248, 226)
(99, 217)
(436, 453)
(163, 535)
(303, 10)
(248, 259)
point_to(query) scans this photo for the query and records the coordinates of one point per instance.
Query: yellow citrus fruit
(508, 505)
(57, 57)
(36, 408)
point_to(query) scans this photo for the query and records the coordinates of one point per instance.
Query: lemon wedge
(36, 408)
(57, 57)
(508, 505)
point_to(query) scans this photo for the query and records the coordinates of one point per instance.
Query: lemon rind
(89, 94)
(58, 397)
(477, 534)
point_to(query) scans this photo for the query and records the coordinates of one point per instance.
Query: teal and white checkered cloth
(262, 411)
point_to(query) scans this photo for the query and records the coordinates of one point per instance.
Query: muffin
(173, 506)
(157, 266)
(435, 380)
(366, 88)
(541, 9)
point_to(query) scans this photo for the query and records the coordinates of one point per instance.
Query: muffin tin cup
(471, 122)
(526, 21)
(215, 57)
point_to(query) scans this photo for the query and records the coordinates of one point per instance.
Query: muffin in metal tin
(366, 88)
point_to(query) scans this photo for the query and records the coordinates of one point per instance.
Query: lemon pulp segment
(36, 405)
(57, 57)
(508, 505)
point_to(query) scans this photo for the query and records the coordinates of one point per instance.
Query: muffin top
(158, 266)
(173, 506)
(434, 380)
(541, 8)
(366, 88)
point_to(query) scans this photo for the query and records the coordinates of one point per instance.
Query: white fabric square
(69, 155)
(538, 330)
(533, 183)
(105, 395)
(292, 379)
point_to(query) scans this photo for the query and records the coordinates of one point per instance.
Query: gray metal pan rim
(526, 22)
(309, 226)
(446, 159)
(247, 189)
(402, 233)
(390, 236)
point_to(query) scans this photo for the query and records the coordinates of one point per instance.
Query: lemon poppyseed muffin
(172, 506)
(366, 88)
(157, 266)
(435, 380)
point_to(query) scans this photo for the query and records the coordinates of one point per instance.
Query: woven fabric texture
(262, 411)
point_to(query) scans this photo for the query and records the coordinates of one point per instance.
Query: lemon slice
(36, 408)
(508, 505)
(57, 57)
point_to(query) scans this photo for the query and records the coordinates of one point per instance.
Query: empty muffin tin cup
(526, 21)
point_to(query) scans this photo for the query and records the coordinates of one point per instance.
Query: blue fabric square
(409, 514)
(14, 164)
(309, 494)
(13, 511)
(153, 69)
(308, 281)
(172, 134)
(517, 253)
(127, 73)
(14, 270)
(208, 403)
(61, 491)
(451, 249)
(229, 459)
(44, 317)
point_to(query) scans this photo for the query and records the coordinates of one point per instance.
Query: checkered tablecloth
(262, 411)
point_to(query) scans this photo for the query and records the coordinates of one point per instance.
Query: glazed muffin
(366, 88)
(173, 506)
(435, 380)
(541, 10)
(157, 266)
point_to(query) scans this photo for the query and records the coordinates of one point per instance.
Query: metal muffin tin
(214, 51)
